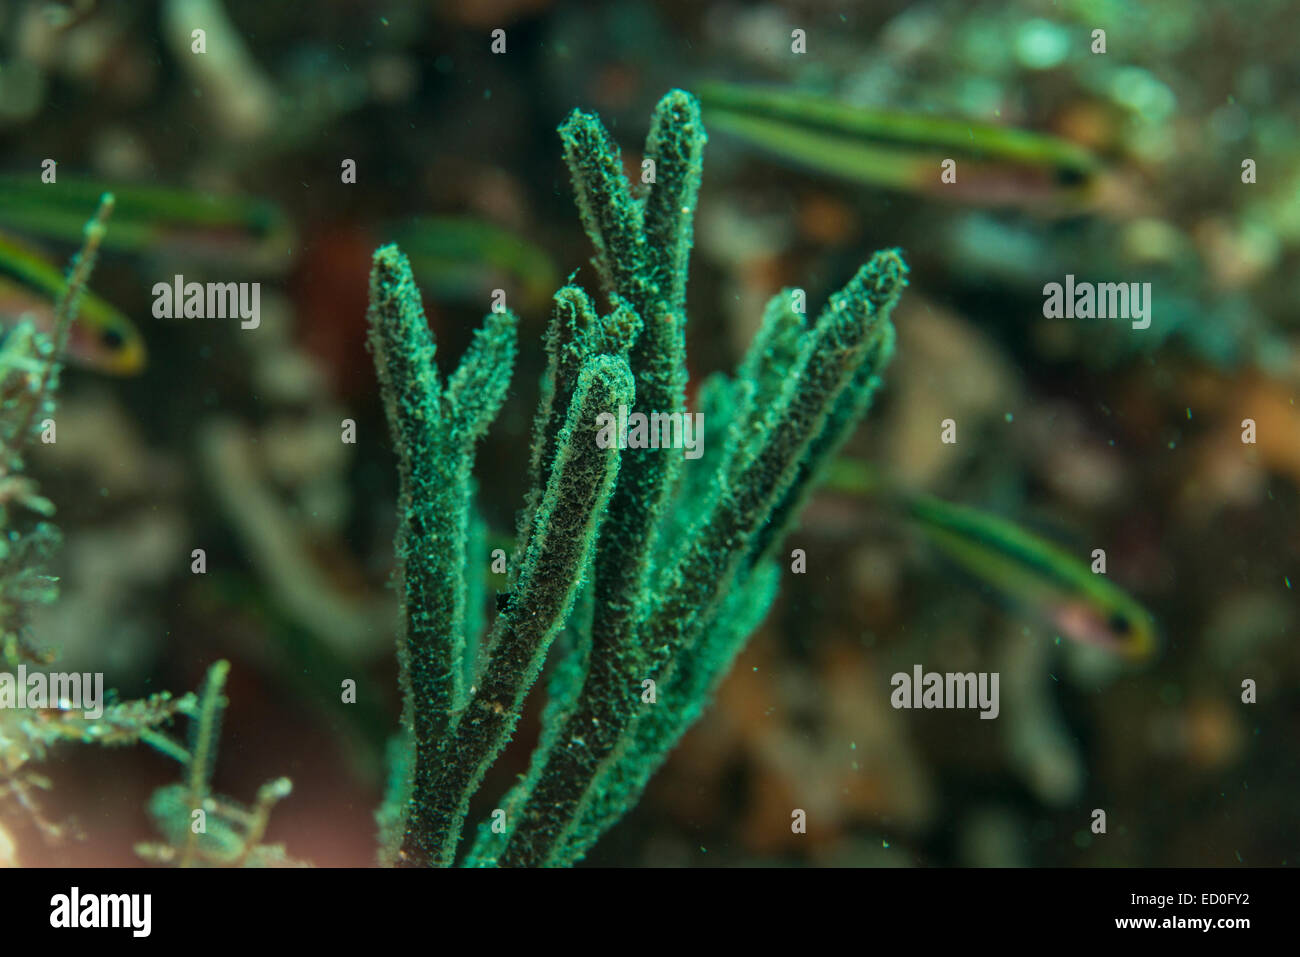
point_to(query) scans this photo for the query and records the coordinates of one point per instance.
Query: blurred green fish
(101, 337)
(1034, 573)
(152, 219)
(459, 258)
(996, 165)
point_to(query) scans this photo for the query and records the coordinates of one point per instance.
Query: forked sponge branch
(668, 558)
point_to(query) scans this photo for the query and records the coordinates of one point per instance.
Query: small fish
(101, 337)
(459, 258)
(1038, 575)
(995, 165)
(151, 219)
(66, 14)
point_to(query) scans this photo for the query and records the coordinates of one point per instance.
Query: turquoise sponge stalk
(655, 568)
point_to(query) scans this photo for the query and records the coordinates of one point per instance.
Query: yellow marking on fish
(1037, 574)
(101, 337)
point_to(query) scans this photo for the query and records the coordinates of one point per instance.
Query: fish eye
(112, 338)
(1071, 176)
(1119, 624)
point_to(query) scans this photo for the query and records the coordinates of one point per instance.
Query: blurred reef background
(1086, 431)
